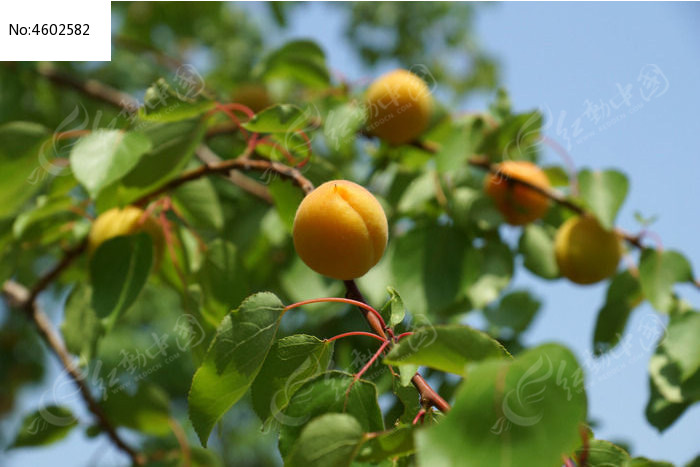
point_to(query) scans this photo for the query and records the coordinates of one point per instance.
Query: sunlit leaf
(233, 360)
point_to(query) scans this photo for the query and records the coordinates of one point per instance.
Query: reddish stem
(419, 416)
(339, 300)
(376, 355)
(273, 145)
(306, 139)
(402, 335)
(583, 458)
(228, 110)
(356, 333)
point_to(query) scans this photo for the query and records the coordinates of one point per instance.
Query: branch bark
(429, 397)
(20, 297)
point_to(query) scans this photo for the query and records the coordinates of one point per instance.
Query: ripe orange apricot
(340, 230)
(399, 107)
(586, 253)
(518, 203)
(127, 221)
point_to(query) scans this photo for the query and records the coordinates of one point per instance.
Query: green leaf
(388, 444)
(331, 392)
(173, 145)
(524, 412)
(447, 348)
(486, 270)
(394, 308)
(45, 426)
(624, 294)
(603, 192)
(516, 138)
(426, 265)
(330, 439)
(81, 328)
(48, 211)
(233, 360)
(300, 282)
(199, 204)
(341, 126)
(658, 272)
(644, 462)
(223, 279)
(119, 269)
(408, 397)
(661, 412)
(105, 156)
(163, 103)
(537, 247)
(280, 118)
(287, 198)
(558, 177)
(147, 411)
(515, 311)
(681, 343)
(675, 366)
(291, 361)
(8, 252)
(419, 192)
(301, 60)
(21, 153)
(602, 453)
(471, 208)
(406, 373)
(458, 146)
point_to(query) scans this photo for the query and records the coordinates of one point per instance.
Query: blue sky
(558, 57)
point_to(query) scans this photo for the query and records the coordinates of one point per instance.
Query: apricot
(127, 221)
(399, 107)
(586, 253)
(518, 203)
(340, 230)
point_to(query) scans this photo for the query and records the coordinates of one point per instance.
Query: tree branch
(121, 100)
(429, 397)
(90, 87)
(24, 299)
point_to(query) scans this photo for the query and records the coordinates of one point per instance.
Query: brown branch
(105, 93)
(242, 163)
(90, 87)
(257, 189)
(353, 293)
(429, 397)
(22, 298)
(44, 281)
(554, 195)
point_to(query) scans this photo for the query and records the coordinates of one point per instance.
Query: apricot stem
(376, 355)
(402, 335)
(419, 416)
(340, 300)
(355, 333)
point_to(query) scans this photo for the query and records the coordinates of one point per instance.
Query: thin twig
(20, 297)
(242, 163)
(429, 397)
(90, 87)
(554, 195)
(44, 281)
